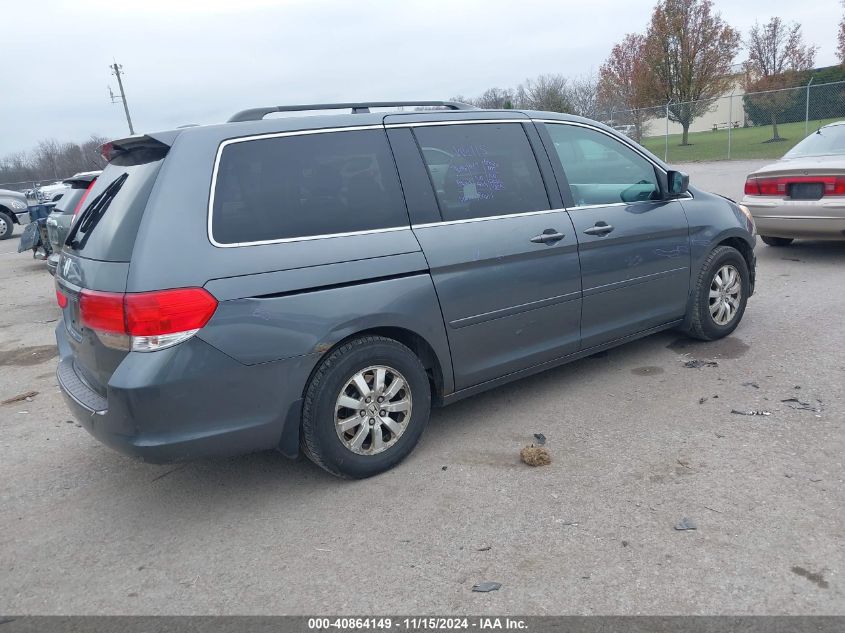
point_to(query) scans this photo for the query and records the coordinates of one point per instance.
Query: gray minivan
(320, 282)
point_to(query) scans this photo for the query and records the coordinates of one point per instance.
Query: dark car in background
(66, 209)
(319, 282)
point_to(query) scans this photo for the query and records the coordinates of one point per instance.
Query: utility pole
(116, 68)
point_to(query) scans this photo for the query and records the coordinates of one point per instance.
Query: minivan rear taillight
(146, 321)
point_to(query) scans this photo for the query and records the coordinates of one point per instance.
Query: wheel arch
(438, 379)
(6, 210)
(745, 249)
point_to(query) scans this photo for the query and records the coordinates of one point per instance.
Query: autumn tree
(777, 59)
(689, 50)
(623, 87)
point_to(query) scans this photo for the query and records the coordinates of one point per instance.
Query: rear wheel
(7, 226)
(365, 407)
(721, 294)
(776, 241)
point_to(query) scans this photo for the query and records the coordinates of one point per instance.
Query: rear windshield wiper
(93, 212)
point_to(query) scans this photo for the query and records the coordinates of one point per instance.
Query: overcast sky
(199, 61)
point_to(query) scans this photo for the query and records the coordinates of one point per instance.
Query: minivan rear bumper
(187, 402)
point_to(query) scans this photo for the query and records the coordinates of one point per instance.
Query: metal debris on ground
(696, 363)
(486, 586)
(702, 400)
(751, 384)
(686, 524)
(795, 403)
(540, 439)
(28, 396)
(752, 412)
(486, 548)
(535, 456)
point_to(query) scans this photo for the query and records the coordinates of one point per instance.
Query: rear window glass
(824, 142)
(306, 185)
(70, 199)
(110, 236)
(482, 170)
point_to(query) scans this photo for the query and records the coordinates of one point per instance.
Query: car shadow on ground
(255, 479)
(804, 250)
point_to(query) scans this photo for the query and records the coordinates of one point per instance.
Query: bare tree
(545, 92)
(52, 160)
(584, 96)
(92, 157)
(777, 57)
(624, 84)
(495, 99)
(689, 50)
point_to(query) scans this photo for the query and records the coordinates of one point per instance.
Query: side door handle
(549, 236)
(601, 229)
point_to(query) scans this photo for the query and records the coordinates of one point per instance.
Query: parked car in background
(13, 210)
(66, 209)
(323, 292)
(52, 192)
(803, 194)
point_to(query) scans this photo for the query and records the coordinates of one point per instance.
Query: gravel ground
(638, 443)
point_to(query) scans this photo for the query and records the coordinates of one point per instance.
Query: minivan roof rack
(256, 114)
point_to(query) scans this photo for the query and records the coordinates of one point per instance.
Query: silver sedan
(803, 194)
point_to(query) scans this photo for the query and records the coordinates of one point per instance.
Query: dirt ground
(639, 443)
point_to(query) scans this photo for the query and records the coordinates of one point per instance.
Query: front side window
(482, 170)
(306, 185)
(600, 169)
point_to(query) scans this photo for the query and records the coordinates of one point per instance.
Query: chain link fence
(754, 125)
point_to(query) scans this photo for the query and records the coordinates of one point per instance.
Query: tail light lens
(146, 321)
(779, 187)
(61, 299)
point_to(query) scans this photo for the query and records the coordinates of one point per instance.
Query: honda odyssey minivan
(318, 283)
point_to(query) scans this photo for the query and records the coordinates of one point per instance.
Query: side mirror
(678, 183)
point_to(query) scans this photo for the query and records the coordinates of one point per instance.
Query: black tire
(7, 225)
(776, 241)
(319, 439)
(702, 324)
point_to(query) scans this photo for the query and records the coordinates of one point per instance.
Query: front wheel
(720, 295)
(365, 407)
(7, 226)
(776, 241)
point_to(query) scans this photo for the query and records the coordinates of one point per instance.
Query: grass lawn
(748, 142)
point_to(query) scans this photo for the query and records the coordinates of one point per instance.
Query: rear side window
(482, 170)
(306, 185)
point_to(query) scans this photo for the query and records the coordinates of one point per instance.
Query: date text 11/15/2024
(416, 623)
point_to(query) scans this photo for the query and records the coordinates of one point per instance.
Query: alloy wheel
(725, 294)
(373, 410)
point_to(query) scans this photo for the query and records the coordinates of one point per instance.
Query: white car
(52, 192)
